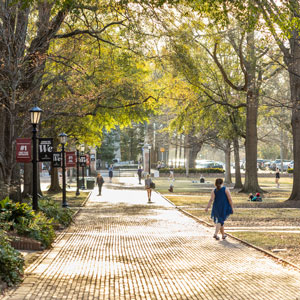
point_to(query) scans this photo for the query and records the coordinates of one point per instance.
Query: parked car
(277, 164)
(210, 164)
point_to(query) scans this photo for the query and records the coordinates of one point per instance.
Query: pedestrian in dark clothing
(140, 172)
(222, 207)
(277, 177)
(100, 182)
(148, 183)
(110, 173)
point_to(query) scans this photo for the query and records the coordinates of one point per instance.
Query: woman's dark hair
(218, 183)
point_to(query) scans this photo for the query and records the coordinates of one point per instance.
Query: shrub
(53, 210)
(40, 229)
(192, 170)
(21, 218)
(11, 261)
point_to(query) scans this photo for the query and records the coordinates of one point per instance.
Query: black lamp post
(63, 140)
(77, 170)
(82, 152)
(35, 115)
(149, 148)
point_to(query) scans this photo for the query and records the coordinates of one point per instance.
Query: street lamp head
(63, 138)
(149, 147)
(35, 115)
(82, 148)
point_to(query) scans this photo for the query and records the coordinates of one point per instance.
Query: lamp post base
(65, 205)
(77, 193)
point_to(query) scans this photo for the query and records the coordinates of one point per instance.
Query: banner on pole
(70, 159)
(87, 159)
(56, 162)
(82, 160)
(45, 149)
(93, 156)
(23, 150)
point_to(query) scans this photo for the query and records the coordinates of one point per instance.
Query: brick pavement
(120, 247)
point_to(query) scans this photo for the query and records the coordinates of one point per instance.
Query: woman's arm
(212, 198)
(229, 197)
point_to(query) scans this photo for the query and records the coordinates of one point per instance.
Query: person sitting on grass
(257, 198)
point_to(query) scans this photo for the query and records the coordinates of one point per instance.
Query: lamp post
(63, 140)
(35, 115)
(149, 148)
(82, 152)
(77, 170)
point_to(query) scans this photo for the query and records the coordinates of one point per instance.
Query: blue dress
(221, 208)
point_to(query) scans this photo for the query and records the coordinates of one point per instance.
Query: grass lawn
(193, 197)
(290, 242)
(72, 199)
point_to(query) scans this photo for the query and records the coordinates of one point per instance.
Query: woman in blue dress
(222, 207)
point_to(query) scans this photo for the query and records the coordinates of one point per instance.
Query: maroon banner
(70, 159)
(23, 150)
(87, 159)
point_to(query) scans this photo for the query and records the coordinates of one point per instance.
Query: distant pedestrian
(222, 207)
(100, 182)
(140, 172)
(277, 177)
(110, 172)
(172, 179)
(148, 184)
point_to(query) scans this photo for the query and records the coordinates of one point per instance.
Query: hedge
(192, 170)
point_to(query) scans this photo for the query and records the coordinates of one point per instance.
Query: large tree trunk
(294, 73)
(54, 187)
(227, 152)
(194, 150)
(187, 155)
(238, 180)
(251, 182)
(27, 190)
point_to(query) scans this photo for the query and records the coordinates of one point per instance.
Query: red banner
(70, 159)
(87, 159)
(23, 150)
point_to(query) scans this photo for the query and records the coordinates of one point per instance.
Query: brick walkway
(122, 248)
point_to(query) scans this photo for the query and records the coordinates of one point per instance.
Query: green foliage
(107, 149)
(290, 170)
(192, 170)
(52, 210)
(21, 218)
(131, 141)
(11, 261)
(15, 212)
(40, 229)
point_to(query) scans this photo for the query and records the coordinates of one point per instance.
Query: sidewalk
(120, 247)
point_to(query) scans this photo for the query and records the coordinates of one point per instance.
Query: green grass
(72, 199)
(275, 240)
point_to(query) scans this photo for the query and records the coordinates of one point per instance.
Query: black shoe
(216, 237)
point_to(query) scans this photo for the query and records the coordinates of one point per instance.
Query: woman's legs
(149, 194)
(223, 231)
(218, 226)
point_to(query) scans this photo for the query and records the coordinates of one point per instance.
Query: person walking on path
(139, 172)
(222, 207)
(172, 179)
(110, 173)
(100, 182)
(148, 183)
(277, 177)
